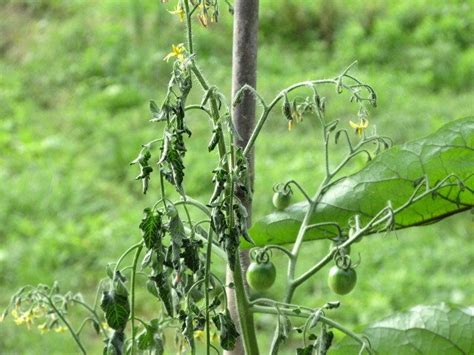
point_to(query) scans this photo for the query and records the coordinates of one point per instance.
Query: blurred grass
(75, 78)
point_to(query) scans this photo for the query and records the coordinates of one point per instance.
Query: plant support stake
(244, 68)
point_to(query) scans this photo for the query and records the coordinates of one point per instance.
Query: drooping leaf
(228, 332)
(145, 169)
(231, 244)
(151, 287)
(324, 342)
(147, 259)
(190, 254)
(188, 331)
(177, 233)
(150, 339)
(438, 329)
(390, 176)
(164, 291)
(151, 227)
(308, 350)
(115, 344)
(116, 308)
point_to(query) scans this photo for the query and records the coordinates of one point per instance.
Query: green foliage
(439, 329)
(435, 172)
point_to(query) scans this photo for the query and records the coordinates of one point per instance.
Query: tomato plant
(184, 243)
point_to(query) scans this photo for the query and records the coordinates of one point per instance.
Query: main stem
(244, 68)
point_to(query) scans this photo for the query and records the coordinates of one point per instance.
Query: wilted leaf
(116, 309)
(228, 332)
(151, 227)
(150, 339)
(164, 291)
(115, 344)
(177, 233)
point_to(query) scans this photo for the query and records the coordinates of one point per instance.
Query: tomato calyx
(282, 196)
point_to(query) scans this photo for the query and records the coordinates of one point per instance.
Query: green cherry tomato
(342, 281)
(261, 276)
(281, 199)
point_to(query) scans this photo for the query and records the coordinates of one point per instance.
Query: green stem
(206, 285)
(73, 333)
(119, 261)
(189, 30)
(93, 312)
(305, 314)
(83, 324)
(192, 202)
(265, 113)
(245, 314)
(299, 188)
(280, 248)
(132, 300)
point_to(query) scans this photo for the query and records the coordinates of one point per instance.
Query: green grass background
(75, 80)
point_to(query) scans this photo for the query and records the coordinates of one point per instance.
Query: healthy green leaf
(438, 329)
(390, 176)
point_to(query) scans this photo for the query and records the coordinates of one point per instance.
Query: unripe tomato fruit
(261, 276)
(342, 281)
(281, 199)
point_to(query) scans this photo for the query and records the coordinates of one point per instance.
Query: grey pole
(244, 71)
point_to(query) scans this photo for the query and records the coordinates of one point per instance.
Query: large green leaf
(390, 176)
(439, 329)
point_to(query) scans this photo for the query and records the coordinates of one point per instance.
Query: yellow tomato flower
(214, 337)
(60, 329)
(178, 11)
(38, 311)
(19, 320)
(176, 51)
(359, 127)
(43, 328)
(15, 313)
(199, 335)
(23, 318)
